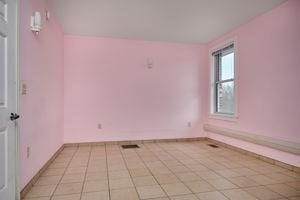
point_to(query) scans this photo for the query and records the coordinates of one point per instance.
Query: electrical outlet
(23, 88)
(99, 126)
(189, 124)
(28, 152)
(149, 63)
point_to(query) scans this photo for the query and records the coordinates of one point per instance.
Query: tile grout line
(242, 188)
(196, 139)
(258, 173)
(226, 178)
(174, 173)
(204, 165)
(129, 173)
(238, 187)
(109, 194)
(84, 180)
(169, 149)
(51, 197)
(151, 171)
(193, 172)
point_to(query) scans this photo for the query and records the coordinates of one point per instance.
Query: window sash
(217, 99)
(224, 81)
(228, 48)
(217, 82)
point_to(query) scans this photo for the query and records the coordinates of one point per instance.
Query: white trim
(279, 144)
(211, 113)
(224, 117)
(17, 162)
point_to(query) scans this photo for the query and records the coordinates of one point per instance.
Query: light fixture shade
(36, 22)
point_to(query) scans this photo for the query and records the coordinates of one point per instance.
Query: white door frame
(11, 93)
(15, 82)
(17, 130)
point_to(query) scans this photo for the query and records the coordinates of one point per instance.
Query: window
(224, 80)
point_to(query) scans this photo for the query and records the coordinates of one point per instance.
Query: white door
(8, 98)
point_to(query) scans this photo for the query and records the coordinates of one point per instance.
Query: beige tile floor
(162, 171)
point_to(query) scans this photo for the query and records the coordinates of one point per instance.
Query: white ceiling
(190, 21)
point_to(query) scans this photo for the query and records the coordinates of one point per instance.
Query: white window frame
(212, 113)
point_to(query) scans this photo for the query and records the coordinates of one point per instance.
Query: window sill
(224, 117)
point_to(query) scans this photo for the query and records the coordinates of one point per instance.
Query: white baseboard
(282, 145)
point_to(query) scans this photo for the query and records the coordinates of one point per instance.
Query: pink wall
(268, 50)
(41, 68)
(107, 81)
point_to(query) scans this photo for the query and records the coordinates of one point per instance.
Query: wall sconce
(36, 22)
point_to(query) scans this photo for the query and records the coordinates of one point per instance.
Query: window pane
(227, 68)
(225, 98)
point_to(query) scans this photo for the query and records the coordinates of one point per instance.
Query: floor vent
(213, 145)
(130, 146)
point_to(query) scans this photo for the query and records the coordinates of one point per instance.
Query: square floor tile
(54, 172)
(48, 180)
(68, 188)
(199, 186)
(291, 198)
(144, 181)
(76, 170)
(115, 167)
(184, 197)
(67, 197)
(97, 176)
(295, 185)
(41, 191)
(262, 179)
(118, 174)
(102, 195)
(221, 184)
(197, 167)
(179, 167)
(121, 194)
(94, 186)
(166, 178)
(153, 191)
(281, 178)
(238, 194)
(292, 174)
(284, 190)
(243, 181)
(215, 195)
(206, 175)
(39, 198)
(245, 171)
(227, 173)
(262, 193)
(174, 189)
(72, 178)
(160, 170)
(139, 172)
(188, 176)
(120, 183)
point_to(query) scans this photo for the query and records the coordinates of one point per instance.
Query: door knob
(14, 116)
